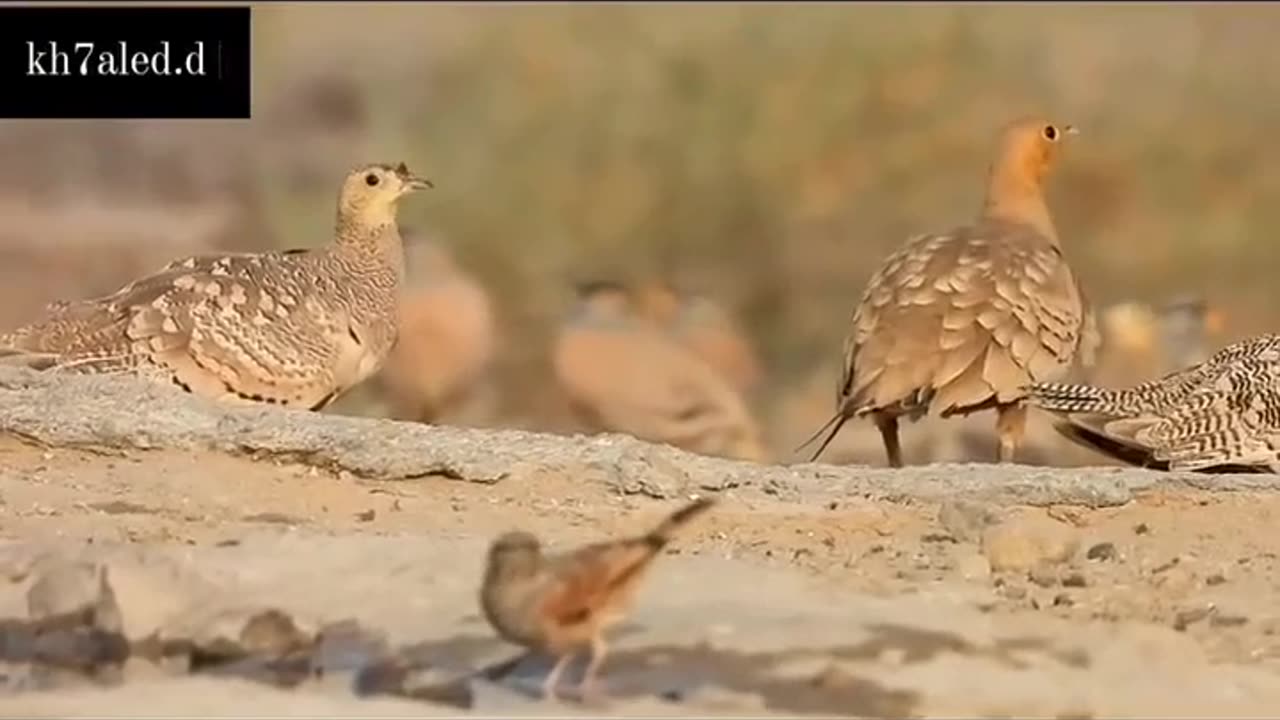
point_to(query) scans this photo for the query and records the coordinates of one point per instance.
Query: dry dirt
(937, 590)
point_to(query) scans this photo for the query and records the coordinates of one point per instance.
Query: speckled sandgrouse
(1221, 414)
(294, 328)
(961, 321)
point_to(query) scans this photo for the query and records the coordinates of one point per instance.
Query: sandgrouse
(448, 337)
(294, 328)
(562, 604)
(961, 321)
(1221, 414)
(705, 328)
(1141, 341)
(622, 374)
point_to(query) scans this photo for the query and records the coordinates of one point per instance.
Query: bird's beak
(411, 181)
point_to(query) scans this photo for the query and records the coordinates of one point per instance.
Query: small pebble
(1190, 617)
(1102, 551)
(1044, 576)
(1075, 580)
(1014, 592)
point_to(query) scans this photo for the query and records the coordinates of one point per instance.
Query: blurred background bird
(438, 370)
(622, 374)
(706, 328)
(1143, 341)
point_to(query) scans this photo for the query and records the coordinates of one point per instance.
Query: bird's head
(1028, 147)
(370, 192)
(514, 554)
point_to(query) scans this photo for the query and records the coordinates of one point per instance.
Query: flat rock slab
(66, 410)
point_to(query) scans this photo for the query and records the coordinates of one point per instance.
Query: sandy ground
(940, 590)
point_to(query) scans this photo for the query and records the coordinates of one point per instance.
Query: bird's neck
(1018, 197)
(364, 240)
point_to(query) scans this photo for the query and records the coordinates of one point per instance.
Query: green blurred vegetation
(772, 154)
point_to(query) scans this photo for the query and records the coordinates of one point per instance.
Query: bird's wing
(594, 580)
(225, 325)
(958, 319)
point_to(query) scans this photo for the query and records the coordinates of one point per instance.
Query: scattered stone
(74, 630)
(1074, 580)
(70, 588)
(367, 515)
(1024, 542)
(965, 520)
(1044, 575)
(274, 517)
(1013, 592)
(1215, 579)
(1175, 578)
(1141, 529)
(400, 678)
(1103, 551)
(1063, 600)
(122, 507)
(1191, 616)
(1069, 514)
(1221, 620)
(973, 566)
(222, 634)
(347, 646)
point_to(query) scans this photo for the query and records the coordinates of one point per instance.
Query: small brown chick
(562, 604)
(623, 375)
(705, 328)
(961, 321)
(447, 336)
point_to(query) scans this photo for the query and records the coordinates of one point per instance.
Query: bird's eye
(370, 179)
(1050, 133)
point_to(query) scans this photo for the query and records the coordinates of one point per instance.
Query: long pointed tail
(1075, 398)
(666, 530)
(1091, 438)
(834, 424)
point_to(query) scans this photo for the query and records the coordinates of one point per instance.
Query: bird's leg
(888, 425)
(553, 677)
(1011, 424)
(589, 687)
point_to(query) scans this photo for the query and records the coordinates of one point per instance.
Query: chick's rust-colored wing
(594, 584)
